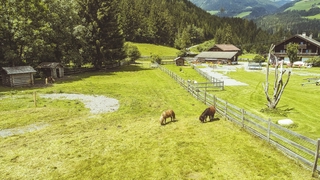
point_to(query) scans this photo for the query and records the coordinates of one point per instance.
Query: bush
(131, 51)
(314, 61)
(156, 58)
(259, 58)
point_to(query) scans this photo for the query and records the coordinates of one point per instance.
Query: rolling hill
(233, 8)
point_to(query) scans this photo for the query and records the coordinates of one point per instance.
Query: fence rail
(293, 144)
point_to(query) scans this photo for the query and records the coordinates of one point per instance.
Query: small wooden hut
(179, 61)
(52, 69)
(17, 76)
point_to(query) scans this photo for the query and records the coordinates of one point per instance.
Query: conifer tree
(103, 36)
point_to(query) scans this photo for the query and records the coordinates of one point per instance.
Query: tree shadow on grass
(39, 83)
(282, 110)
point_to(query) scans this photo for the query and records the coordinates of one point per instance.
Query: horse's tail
(173, 114)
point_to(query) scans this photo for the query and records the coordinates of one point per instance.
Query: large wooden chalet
(308, 47)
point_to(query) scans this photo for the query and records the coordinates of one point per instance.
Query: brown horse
(50, 80)
(166, 114)
(210, 111)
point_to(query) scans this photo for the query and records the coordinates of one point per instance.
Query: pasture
(151, 49)
(298, 102)
(130, 143)
(304, 5)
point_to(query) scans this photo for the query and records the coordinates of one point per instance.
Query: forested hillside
(295, 17)
(94, 31)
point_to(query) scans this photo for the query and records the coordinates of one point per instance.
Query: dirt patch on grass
(96, 104)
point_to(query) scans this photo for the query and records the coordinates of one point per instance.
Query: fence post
(316, 156)
(35, 98)
(205, 96)
(269, 129)
(226, 108)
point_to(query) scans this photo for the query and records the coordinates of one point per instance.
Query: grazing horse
(210, 111)
(166, 114)
(50, 80)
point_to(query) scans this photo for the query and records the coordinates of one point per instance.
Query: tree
(132, 51)
(101, 30)
(279, 85)
(259, 59)
(292, 52)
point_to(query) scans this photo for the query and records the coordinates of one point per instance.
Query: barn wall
(22, 79)
(6, 80)
(61, 72)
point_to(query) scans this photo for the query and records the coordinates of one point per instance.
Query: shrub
(314, 61)
(156, 58)
(131, 51)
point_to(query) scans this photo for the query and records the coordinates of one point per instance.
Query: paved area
(221, 73)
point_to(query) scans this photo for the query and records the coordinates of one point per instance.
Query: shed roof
(49, 65)
(226, 47)
(178, 58)
(216, 54)
(19, 70)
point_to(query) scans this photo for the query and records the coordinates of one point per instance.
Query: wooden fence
(208, 77)
(293, 144)
(194, 88)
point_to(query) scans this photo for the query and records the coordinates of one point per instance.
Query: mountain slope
(231, 8)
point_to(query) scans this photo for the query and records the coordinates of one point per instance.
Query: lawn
(151, 49)
(129, 143)
(298, 102)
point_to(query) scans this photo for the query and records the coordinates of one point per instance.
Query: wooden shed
(17, 76)
(179, 61)
(53, 69)
(217, 57)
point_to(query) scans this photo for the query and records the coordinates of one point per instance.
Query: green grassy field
(129, 143)
(298, 102)
(303, 5)
(149, 49)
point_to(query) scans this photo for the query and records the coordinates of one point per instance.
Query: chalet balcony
(301, 46)
(282, 54)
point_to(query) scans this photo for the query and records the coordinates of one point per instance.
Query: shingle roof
(216, 54)
(307, 38)
(19, 70)
(227, 47)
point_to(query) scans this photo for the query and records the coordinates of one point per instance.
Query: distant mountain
(249, 9)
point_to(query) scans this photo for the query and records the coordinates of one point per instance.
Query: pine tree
(104, 38)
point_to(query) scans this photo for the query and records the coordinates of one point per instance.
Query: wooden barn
(179, 61)
(217, 57)
(17, 76)
(224, 48)
(53, 69)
